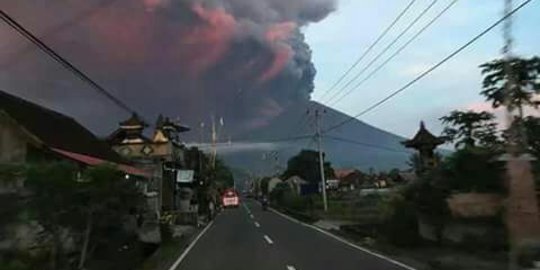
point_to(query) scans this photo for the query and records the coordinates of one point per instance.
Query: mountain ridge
(353, 145)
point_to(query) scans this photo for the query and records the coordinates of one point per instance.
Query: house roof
(342, 173)
(423, 137)
(166, 123)
(134, 121)
(55, 130)
(93, 161)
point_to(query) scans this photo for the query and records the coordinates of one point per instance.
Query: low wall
(474, 205)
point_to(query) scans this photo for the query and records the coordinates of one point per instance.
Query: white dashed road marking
(290, 267)
(251, 216)
(268, 239)
(257, 224)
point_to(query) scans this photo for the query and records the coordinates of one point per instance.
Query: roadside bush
(277, 195)
(474, 170)
(295, 202)
(400, 225)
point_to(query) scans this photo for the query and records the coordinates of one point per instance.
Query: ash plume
(243, 60)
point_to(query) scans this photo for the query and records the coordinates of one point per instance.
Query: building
(32, 133)
(163, 154)
(350, 179)
(295, 183)
(425, 143)
(272, 183)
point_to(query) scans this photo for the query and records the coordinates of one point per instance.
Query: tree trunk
(520, 111)
(86, 241)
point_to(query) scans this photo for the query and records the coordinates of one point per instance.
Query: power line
(381, 36)
(388, 47)
(397, 52)
(431, 69)
(366, 144)
(301, 121)
(65, 63)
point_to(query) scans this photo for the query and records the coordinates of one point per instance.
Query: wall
(471, 205)
(12, 143)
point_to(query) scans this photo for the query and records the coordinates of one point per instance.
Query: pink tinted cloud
(277, 35)
(151, 5)
(500, 113)
(126, 36)
(205, 44)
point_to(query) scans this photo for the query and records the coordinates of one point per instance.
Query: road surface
(249, 238)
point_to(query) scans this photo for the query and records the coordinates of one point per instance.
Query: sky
(342, 37)
(146, 52)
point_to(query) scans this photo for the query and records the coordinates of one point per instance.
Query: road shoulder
(343, 240)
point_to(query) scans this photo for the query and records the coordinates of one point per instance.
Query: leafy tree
(526, 82)
(279, 192)
(52, 188)
(400, 225)
(93, 205)
(197, 161)
(532, 133)
(104, 200)
(471, 128)
(474, 170)
(306, 166)
(222, 175)
(264, 185)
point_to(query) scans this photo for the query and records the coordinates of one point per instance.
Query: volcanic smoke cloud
(244, 60)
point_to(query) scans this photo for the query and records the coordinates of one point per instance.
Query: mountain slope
(378, 149)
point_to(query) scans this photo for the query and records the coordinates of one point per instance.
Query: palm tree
(525, 82)
(469, 128)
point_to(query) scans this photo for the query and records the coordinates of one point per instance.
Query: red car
(230, 198)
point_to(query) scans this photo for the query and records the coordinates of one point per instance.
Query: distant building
(350, 179)
(295, 183)
(272, 183)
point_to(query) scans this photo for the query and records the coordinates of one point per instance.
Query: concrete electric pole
(522, 218)
(321, 160)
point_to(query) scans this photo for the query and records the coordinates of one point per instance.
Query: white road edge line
(268, 239)
(257, 224)
(290, 267)
(344, 241)
(188, 249)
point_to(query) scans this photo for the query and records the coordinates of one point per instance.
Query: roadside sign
(184, 176)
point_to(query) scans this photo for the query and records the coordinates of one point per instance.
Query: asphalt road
(249, 238)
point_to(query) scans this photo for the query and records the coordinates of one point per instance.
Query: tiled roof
(55, 130)
(341, 173)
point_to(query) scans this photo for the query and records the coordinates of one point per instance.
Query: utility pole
(522, 219)
(201, 141)
(321, 160)
(214, 141)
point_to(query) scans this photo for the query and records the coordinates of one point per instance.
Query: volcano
(354, 145)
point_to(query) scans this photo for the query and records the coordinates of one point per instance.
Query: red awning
(93, 161)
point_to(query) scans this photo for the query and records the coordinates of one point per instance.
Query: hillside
(382, 150)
